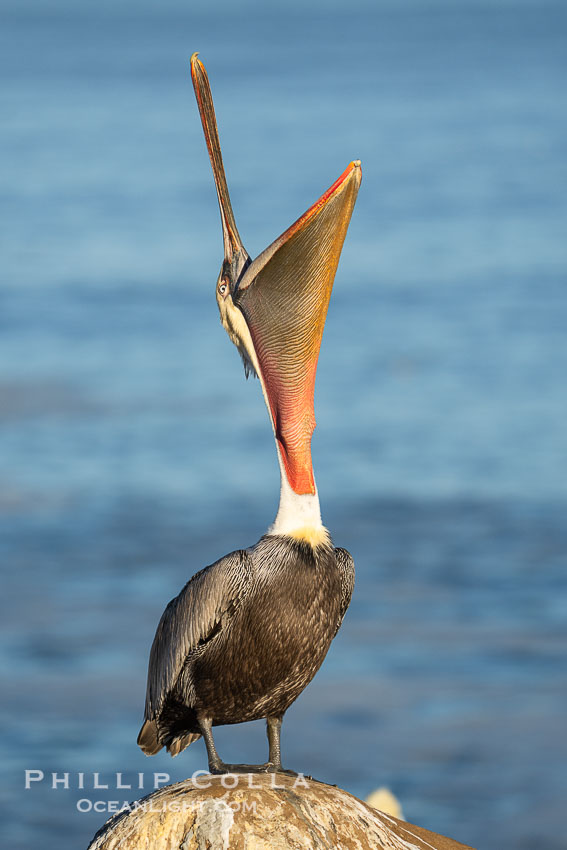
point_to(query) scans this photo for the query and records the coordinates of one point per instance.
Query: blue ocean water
(132, 451)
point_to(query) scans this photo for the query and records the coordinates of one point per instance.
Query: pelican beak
(284, 296)
(235, 255)
(276, 306)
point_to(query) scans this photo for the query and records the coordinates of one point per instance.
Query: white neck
(295, 511)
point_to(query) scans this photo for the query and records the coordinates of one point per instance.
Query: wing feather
(201, 610)
(345, 564)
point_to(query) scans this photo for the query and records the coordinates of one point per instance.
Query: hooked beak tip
(197, 67)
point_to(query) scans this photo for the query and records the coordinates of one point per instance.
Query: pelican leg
(274, 765)
(274, 728)
(216, 765)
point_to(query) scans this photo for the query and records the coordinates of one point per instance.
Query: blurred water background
(133, 452)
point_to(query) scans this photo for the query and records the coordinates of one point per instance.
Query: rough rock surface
(259, 812)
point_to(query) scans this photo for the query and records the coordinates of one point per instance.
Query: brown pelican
(248, 633)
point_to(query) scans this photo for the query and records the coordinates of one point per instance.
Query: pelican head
(274, 308)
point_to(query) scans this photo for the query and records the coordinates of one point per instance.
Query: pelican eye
(223, 288)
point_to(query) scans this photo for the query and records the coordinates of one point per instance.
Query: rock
(259, 812)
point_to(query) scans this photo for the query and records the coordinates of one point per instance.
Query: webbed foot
(267, 767)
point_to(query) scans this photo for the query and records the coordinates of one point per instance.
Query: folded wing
(202, 609)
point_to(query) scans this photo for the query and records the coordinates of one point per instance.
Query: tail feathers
(150, 743)
(175, 745)
(148, 739)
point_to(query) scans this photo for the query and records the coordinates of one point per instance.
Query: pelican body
(247, 634)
